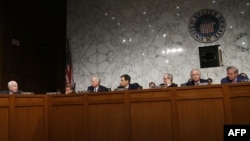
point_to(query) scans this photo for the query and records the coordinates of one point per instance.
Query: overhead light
(242, 41)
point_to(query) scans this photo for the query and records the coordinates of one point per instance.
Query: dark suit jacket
(8, 92)
(133, 86)
(100, 89)
(172, 85)
(192, 83)
(240, 78)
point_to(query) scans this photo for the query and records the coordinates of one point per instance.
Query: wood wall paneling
(66, 117)
(239, 103)
(107, 111)
(110, 116)
(37, 63)
(200, 117)
(1, 38)
(240, 109)
(29, 123)
(174, 114)
(151, 120)
(66, 122)
(4, 127)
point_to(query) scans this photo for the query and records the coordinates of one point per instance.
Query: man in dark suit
(233, 76)
(125, 83)
(95, 85)
(196, 78)
(12, 88)
(168, 81)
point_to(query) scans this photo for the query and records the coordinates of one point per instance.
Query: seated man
(12, 88)
(69, 89)
(125, 83)
(196, 78)
(233, 76)
(95, 85)
(168, 81)
(151, 85)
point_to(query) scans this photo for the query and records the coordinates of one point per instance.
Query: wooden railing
(195, 113)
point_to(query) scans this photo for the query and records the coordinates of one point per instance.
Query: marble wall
(147, 38)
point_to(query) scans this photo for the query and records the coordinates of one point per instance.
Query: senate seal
(207, 25)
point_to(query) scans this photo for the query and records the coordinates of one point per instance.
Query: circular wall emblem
(207, 25)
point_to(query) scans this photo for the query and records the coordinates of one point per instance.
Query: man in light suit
(233, 76)
(95, 85)
(12, 88)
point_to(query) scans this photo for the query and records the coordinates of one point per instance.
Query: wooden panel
(199, 92)
(239, 89)
(2, 20)
(151, 121)
(239, 97)
(4, 115)
(107, 122)
(29, 124)
(105, 98)
(66, 99)
(240, 109)
(29, 100)
(150, 95)
(4, 101)
(201, 120)
(37, 62)
(66, 123)
(174, 114)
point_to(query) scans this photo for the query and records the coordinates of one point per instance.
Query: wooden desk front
(177, 114)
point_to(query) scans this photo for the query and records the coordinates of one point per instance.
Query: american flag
(68, 68)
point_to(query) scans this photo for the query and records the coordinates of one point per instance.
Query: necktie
(196, 83)
(95, 90)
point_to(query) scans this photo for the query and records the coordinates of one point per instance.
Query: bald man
(12, 88)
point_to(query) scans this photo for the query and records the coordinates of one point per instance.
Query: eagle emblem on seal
(207, 25)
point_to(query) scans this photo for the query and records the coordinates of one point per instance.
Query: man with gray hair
(233, 76)
(95, 85)
(196, 79)
(168, 81)
(12, 88)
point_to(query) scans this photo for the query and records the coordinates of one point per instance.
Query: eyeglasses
(165, 78)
